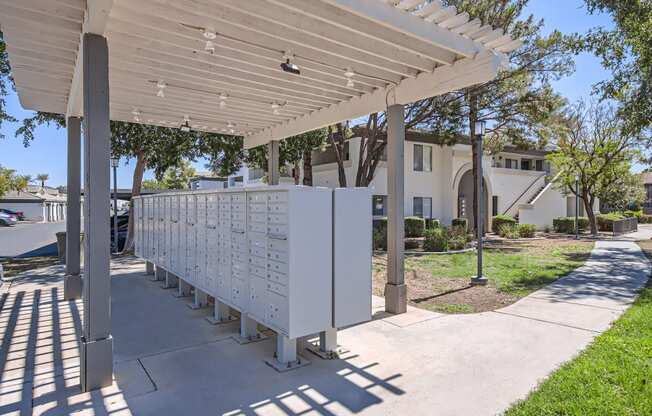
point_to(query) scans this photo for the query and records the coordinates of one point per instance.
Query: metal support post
(221, 314)
(72, 283)
(395, 289)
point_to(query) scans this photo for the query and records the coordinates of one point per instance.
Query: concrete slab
(170, 361)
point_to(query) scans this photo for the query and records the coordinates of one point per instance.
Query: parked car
(18, 214)
(7, 219)
(123, 225)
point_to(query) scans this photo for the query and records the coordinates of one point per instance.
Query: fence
(627, 225)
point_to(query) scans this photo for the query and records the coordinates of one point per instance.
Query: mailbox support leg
(170, 281)
(327, 346)
(221, 314)
(149, 267)
(286, 357)
(248, 331)
(184, 289)
(201, 300)
(159, 273)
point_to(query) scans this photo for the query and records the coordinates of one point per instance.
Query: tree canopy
(627, 52)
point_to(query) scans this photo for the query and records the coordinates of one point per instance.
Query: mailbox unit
(278, 254)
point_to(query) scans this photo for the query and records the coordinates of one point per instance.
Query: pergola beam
(449, 78)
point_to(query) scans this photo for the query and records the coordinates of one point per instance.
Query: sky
(47, 153)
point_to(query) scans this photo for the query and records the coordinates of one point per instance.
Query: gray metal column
(273, 159)
(97, 343)
(395, 289)
(479, 278)
(72, 284)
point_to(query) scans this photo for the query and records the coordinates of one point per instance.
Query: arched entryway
(465, 199)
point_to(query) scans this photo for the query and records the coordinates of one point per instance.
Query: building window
(379, 205)
(539, 165)
(526, 164)
(422, 158)
(494, 205)
(511, 163)
(422, 207)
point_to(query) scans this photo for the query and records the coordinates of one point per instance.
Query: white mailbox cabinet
(295, 259)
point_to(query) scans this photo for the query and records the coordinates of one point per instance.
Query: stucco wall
(549, 205)
(509, 184)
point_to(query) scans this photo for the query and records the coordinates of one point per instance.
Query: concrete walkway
(170, 361)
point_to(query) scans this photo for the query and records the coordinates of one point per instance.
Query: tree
(627, 192)
(175, 177)
(21, 182)
(42, 177)
(6, 83)
(7, 180)
(596, 147)
(626, 52)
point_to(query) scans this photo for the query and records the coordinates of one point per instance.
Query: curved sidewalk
(168, 360)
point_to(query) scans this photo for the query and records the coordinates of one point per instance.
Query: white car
(7, 219)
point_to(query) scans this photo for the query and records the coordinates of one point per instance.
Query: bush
(432, 223)
(606, 221)
(508, 231)
(380, 238)
(631, 214)
(461, 223)
(499, 220)
(526, 230)
(414, 226)
(567, 224)
(645, 219)
(411, 244)
(436, 239)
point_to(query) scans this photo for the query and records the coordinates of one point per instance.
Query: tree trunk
(307, 167)
(338, 149)
(295, 172)
(136, 188)
(588, 209)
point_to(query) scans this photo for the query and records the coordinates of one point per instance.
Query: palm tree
(42, 177)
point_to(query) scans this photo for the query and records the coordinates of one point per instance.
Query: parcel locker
(212, 239)
(191, 239)
(173, 237)
(183, 229)
(200, 241)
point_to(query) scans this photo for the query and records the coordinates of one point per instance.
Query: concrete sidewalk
(170, 361)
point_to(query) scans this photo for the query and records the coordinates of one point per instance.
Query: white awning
(217, 64)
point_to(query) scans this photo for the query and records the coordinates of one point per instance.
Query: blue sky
(47, 154)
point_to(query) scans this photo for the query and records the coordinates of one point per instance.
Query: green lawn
(515, 270)
(613, 376)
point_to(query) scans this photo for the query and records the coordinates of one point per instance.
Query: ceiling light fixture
(185, 126)
(349, 74)
(275, 108)
(209, 35)
(136, 115)
(161, 85)
(288, 66)
(223, 98)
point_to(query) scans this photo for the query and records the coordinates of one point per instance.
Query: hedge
(526, 230)
(380, 238)
(606, 221)
(645, 219)
(414, 227)
(432, 223)
(508, 231)
(436, 239)
(460, 222)
(499, 220)
(630, 214)
(567, 224)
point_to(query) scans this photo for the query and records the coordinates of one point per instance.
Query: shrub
(380, 223)
(606, 221)
(436, 239)
(508, 231)
(411, 244)
(499, 220)
(546, 228)
(414, 226)
(567, 224)
(526, 230)
(645, 219)
(432, 223)
(460, 222)
(630, 214)
(380, 238)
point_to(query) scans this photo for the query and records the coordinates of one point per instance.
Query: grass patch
(517, 272)
(613, 376)
(440, 283)
(15, 266)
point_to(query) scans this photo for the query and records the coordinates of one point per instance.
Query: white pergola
(215, 65)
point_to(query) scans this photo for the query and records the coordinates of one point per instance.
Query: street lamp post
(577, 207)
(114, 164)
(479, 278)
